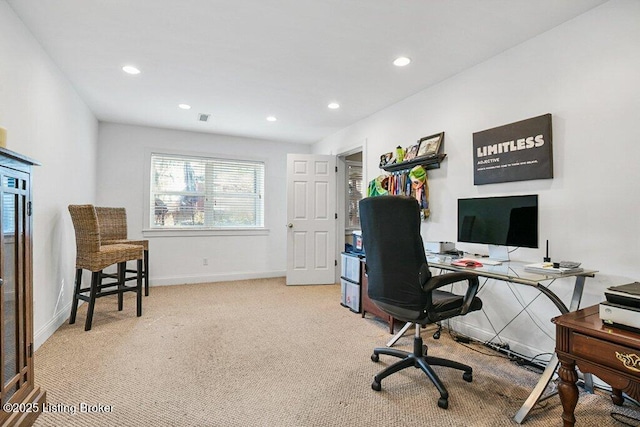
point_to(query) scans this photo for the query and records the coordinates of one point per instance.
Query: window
(354, 194)
(190, 192)
(9, 213)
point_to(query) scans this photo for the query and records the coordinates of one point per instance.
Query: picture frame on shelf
(429, 146)
(411, 153)
(386, 160)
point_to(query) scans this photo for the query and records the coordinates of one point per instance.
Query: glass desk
(514, 272)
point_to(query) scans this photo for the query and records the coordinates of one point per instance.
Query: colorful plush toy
(378, 186)
(420, 189)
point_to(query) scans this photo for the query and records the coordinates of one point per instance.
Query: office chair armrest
(446, 279)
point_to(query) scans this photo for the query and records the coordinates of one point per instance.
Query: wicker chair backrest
(85, 223)
(112, 222)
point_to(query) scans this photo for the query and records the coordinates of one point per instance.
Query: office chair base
(418, 359)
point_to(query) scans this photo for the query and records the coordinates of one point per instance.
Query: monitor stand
(498, 253)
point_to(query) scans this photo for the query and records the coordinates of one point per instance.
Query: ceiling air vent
(203, 117)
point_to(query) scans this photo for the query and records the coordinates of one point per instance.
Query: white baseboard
(41, 335)
(224, 277)
(483, 335)
(515, 346)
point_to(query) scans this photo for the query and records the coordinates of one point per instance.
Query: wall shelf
(427, 163)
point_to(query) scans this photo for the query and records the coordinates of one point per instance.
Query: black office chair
(401, 284)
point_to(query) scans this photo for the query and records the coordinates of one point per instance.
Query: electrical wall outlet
(205, 261)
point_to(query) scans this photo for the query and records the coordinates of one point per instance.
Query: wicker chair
(92, 256)
(113, 230)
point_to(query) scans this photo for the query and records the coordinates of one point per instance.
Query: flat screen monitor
(499, 221)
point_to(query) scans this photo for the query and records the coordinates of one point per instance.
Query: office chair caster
(443, 403)
(376, 385)
(375, 357)
(467, 376)
(436, 334)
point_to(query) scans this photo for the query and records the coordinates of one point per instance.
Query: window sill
(182, 232)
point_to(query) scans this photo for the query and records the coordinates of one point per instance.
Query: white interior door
(311, 219)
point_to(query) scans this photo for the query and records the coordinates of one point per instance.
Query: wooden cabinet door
(15, 325)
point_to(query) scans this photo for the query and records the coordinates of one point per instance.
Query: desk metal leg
(578, 287)
(542, 384)
(588, 383)
(399, 335)
(538, 390)
(535, 395)
(575, 304)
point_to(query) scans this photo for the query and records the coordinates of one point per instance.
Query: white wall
(585, 73)
(47, 120)
(175, 260)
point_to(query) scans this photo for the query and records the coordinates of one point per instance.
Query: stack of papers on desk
(548, 268)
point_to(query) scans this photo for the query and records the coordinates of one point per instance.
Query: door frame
(341, 184)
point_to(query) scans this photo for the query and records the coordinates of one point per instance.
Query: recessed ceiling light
(130, 69)
(271, 119)
(333, 106)
(184, 106)
(401, 61)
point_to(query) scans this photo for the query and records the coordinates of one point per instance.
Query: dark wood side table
(367, 305)
(611, 353)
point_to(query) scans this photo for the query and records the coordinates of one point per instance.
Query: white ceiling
(242, 60)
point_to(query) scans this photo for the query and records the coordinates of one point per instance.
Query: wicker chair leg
(139, 289)
(96, 282)
(122, 268)
(76, 292)
(146, 273)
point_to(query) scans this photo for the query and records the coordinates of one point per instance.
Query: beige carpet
(259, 353)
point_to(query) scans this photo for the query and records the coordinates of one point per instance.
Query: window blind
(354, 194)
(9, 213)
(199, 192)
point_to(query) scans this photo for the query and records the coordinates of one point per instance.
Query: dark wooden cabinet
(610, 353)
(21, 400)
(367, 305)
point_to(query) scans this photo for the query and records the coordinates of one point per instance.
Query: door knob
(290, 225)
